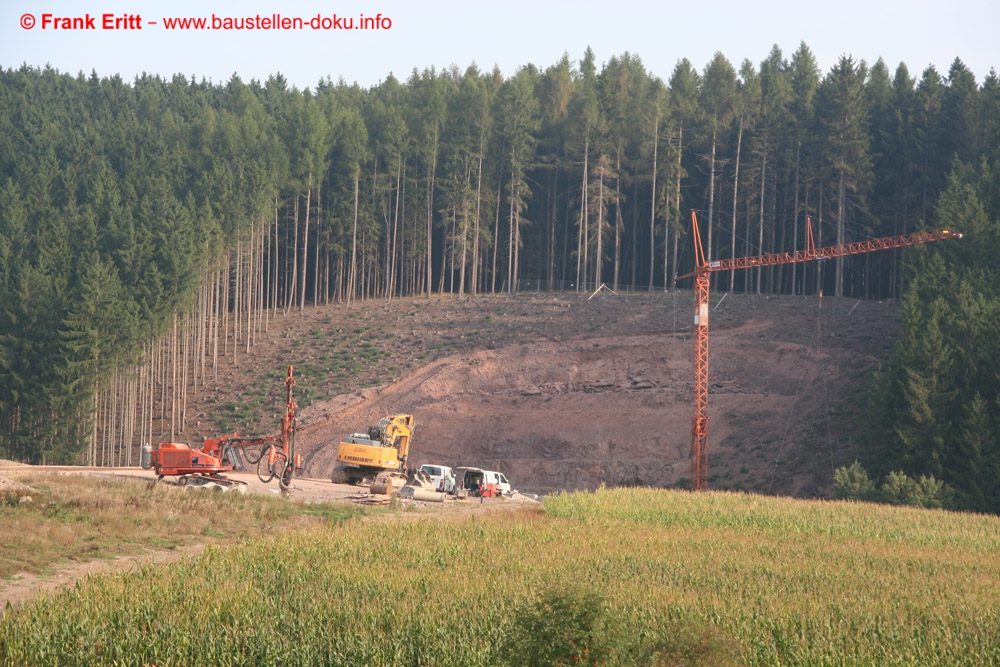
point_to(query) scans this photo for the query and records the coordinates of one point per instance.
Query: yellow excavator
(380, 454)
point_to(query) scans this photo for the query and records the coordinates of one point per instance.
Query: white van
(442, 476)
(475, 479)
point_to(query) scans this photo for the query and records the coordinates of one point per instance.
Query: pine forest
(150, 228)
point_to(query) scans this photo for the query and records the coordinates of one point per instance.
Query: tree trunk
(510, 234)
(277, 245)
(819, 241)
(618, 220)
(465, 247)
(736, 188)
(290, 295)
(496, 236)
(319, 222)
(711, 198)
(430, 211)
(652, 210)
(760, 238)
(553, 214)
(677, 199)
(305, 248)
(838, 288)
(795, 220)
(582, 241)
(599, 259)
(474, 283)
(352, 276)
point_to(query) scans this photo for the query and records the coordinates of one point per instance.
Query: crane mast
(703, 268)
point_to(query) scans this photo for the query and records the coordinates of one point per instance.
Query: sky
(507, 34)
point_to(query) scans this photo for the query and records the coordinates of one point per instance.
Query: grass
(74, 517)
(618, 577)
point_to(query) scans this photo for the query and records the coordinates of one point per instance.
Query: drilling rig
(274, 455)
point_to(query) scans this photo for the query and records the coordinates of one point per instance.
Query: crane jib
(699, 424)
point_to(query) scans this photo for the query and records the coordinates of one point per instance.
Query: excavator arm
(395, 431)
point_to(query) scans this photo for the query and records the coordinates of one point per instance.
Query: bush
(571, 624)
(853, 483)
(898, 489)
(563, 627)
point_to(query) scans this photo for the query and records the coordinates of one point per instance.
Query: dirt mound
(557, 409)
(10, 486)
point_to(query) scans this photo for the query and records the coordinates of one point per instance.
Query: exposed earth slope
(562, 392)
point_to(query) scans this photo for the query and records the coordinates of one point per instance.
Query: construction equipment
(699, 425)
(274, 455)
(380, 454)
(420, 486)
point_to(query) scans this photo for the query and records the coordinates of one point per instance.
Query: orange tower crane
(699, 424)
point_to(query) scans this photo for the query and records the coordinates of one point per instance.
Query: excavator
(274, 456)
(379, 454)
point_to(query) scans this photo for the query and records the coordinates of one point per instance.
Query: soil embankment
(596, 399)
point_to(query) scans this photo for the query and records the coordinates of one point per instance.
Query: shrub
(562, 627)
(898, 489)
(853, 483)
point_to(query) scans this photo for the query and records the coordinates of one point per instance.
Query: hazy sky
(508, 34)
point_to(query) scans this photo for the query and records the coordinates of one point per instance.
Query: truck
(476, 481)
(441, 476)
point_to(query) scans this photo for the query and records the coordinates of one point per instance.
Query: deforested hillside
(564, 392)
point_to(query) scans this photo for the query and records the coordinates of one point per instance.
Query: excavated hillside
(566, 392)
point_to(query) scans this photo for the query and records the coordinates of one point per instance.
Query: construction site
(562, 392)
(559, 392)
(612, 389)
(565, 392)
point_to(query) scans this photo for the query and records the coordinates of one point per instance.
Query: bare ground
(565, 392)
(604, 396)
(562, 391)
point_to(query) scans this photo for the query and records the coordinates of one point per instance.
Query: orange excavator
(274, 455)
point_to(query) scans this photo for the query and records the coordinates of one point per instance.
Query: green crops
(618, 577)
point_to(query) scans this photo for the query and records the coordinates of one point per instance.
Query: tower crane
(699, 423)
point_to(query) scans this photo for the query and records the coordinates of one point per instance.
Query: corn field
(617, 577)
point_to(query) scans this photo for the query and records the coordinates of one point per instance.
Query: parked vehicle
(477, 481)
(443, 477)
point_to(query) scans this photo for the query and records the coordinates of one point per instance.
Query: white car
(442, 476)
(475, 479)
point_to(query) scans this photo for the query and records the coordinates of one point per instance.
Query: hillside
(562, 392)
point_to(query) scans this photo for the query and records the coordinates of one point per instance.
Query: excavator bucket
(420, 486)
(387, 483)
(419, 479)
(415, 482)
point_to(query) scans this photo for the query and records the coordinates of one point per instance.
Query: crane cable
(673, 354)
(822, 363)
(784, 434)
(826, 393)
